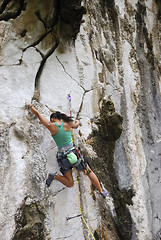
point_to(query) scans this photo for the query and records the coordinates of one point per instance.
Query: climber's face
(52, 120)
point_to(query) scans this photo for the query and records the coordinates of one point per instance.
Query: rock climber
(60, 126)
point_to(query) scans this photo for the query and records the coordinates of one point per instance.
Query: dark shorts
(66, 166)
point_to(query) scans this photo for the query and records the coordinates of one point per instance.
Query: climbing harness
(82, 159)
(68, 158)
(79, 155)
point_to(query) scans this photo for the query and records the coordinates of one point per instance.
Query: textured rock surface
(106, 54)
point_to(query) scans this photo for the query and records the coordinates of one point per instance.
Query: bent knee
(69, 185)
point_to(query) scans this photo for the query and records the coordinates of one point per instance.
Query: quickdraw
(68, 218)
(70, 103)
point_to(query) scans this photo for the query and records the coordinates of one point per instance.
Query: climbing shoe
(50, 178)
(104, 193)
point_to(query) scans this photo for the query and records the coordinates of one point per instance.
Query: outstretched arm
(42, 119)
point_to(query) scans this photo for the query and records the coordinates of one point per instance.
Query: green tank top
(62, 137)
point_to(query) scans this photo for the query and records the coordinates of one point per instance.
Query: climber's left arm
(42, 119)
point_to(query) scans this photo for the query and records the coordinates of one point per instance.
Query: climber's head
(55, 115)
(58, 115)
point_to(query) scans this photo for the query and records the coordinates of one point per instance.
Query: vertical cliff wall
(106, 54)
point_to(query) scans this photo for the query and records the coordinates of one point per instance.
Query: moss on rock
(30, 222)
(158, 2)
(71, 13)
(103, 142)
(109, 123)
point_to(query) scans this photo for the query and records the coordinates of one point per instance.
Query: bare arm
(42, 119)
(74, 124)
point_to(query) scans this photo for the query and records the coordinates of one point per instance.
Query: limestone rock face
(106, 54)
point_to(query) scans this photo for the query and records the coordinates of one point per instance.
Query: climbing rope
(79, 201)
(80, 209)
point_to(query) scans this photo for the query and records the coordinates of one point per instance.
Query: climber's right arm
(74, 124)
